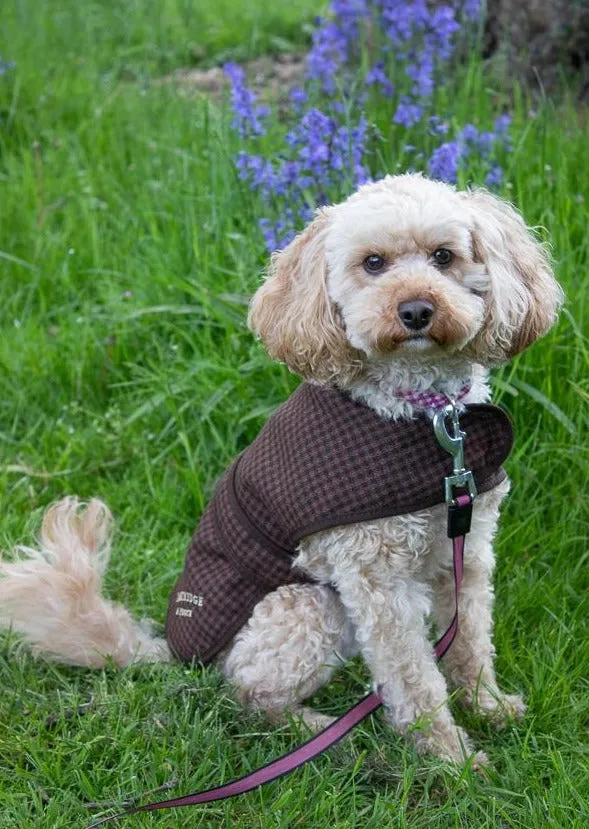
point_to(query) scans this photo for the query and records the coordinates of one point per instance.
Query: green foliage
(128, 249)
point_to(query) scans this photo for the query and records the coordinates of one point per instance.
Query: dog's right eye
(373, 263)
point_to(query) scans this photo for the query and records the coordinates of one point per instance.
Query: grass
(126, 371)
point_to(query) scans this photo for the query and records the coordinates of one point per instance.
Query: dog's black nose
(416, 314)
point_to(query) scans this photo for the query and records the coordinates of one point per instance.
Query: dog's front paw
(498, 707)
(446, 741)
(481, 764)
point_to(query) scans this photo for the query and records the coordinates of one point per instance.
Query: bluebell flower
(277, 235)
(471, 9)
(257, 170)
(269, 234)
(485, 142)
(361, 176)
(306, 213)
(377, 76)
(438, 126)
(469, 133)
(328, 54)
(503, 123)
(422, 72)
(408, 113)
(398, 19)
(247, 115)
(298, 97)
(494, 176)
(350, 12)
(442, 28)
(326, 148)
(477, 140)
(445, 161)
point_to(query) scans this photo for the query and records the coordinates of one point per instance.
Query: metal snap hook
(453, 444)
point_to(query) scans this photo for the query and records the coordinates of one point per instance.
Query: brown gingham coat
(321, 460)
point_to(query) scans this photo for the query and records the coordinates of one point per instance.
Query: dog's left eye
(373, 263)
(443, 257)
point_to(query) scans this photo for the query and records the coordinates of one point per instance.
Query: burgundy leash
(459, 519)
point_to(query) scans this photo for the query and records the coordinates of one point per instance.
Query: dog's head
(405, 267)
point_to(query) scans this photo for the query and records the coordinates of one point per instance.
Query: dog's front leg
(390, 619)
(469, 662)
(377, 568)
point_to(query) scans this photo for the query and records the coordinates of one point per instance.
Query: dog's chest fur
(413, 546)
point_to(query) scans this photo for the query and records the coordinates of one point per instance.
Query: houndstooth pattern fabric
(322, 460)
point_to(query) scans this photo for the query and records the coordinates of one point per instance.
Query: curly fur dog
(408, 285)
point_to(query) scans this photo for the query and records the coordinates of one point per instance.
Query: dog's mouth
(418, 342)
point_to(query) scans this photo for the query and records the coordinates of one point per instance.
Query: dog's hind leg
(295, 639)
(52, 596)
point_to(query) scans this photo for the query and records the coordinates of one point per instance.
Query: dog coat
(322, 460)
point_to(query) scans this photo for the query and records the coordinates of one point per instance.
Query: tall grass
(128, 249)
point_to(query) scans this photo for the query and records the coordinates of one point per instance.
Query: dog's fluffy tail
(52, 596)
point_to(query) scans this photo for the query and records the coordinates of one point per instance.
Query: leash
(459, 521)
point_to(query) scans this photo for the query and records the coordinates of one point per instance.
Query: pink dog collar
(430, 399)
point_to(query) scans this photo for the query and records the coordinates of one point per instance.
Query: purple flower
(494, 176)
(306, 213)
(471, 9)
(442, 27)
(377, 76)
(276, 235)
(408, 113)
(398, 20)
(247, 115)
(326, 147)
(470, 142)
(362, 176)
(350, 12)
(269, 234)
(444, 162)
(328, 53)
(256, 170)
(299, 97)
(469, 134)
(422, 73)
(503, 123)
(438, 127)
(475, 140)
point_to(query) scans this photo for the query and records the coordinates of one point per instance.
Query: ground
(128, 248)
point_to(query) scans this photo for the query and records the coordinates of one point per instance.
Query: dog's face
(405, 266)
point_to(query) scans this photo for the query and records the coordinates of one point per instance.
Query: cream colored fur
(377, 583)
(52, 596)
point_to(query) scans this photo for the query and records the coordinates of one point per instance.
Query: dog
(408, 288)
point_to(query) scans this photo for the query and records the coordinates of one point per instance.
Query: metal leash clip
(461, 478)
(459, 508)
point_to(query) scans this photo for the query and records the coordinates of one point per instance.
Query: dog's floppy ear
(524, 296)
(292, 312)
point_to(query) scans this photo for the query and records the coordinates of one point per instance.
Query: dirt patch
(272, 76)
